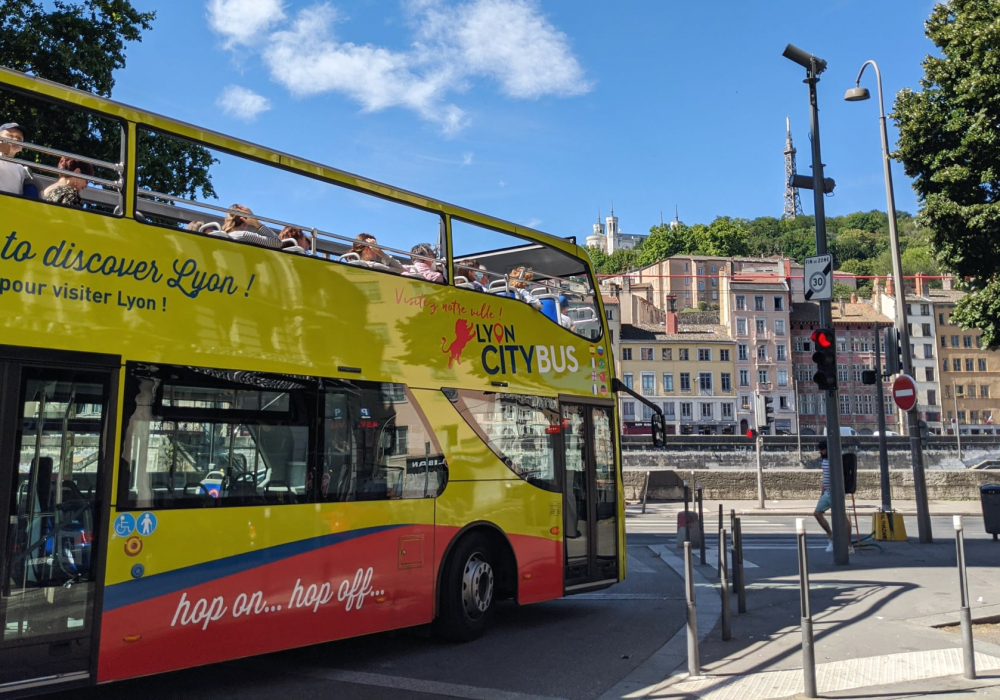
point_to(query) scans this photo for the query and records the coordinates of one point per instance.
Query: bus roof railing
(114, 184)
(117, 167)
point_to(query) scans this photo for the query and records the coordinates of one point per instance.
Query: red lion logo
(463, 334)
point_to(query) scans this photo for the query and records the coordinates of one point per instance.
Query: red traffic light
(823, 338)
(751, 433)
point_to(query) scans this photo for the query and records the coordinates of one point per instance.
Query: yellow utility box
(888, 526)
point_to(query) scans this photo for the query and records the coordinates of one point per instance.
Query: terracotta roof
(808, 312)
(700, 333)
(609, 300)
(950, 295)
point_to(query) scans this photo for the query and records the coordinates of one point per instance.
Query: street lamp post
(856, 94)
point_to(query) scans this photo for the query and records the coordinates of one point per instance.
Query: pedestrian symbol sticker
(146, 524)
(124, 524)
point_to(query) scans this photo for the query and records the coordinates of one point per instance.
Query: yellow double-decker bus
(229, 430)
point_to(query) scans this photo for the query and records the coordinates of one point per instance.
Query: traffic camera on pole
(825, 358)
(893, 351)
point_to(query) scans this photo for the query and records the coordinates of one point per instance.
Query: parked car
(887, 432)
(845, 430)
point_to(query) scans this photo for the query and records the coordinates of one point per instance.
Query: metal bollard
(808, 652)
(741, 592)
(694, 659)
(645, 491)
(727, 632)
(968, 650)
(687, 528)
(701, 525)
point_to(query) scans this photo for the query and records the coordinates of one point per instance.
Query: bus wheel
(468, 591)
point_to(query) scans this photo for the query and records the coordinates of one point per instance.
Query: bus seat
(550, 308)
(350, 258)
(294, 249)
(498, 287)
(461, 279)
(30, 190)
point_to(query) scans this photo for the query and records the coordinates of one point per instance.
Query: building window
(947, 391)
(782, 377)
(668, 382)
(715, 293)
(779, 325)
(627, 378)
(686, 411)
(609, 314)
(954, 341)
(869, 405)
(685, 381)
(842, 345)
(687, 295)
(982, 364)
(761, 325)
(857, 405)
(758, 303)
(940, 319)
(668, 411)
(741, 302)
(628, 410)
(701, 285)
(727, 381)
(966, 341)
(944, 341)
(704, 354)
(682, 354)
(727, 411)
(779, 304)
(969, 364)
(782, 353)
(647, 412)
(956, 365)
(648, 384)
(744, 377)
(743, 352)
(931, 397)
(890, 407)
(724, 355)
(646, 354)
(782, 400)
(797, 344)
(961, 416)
(960, 391)
(845, 405)
(973, 417)
(984, 391)
(925, 330)
(762, 376)
(928, 351)
(972, 391)
(744, 402)
(842, 373)
(928, 374)
(741, 326)
(705, 381)
(668, 353)
(706, 411)
(761, 352)
(626, 353)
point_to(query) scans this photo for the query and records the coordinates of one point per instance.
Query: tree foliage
(81, 44)
(948, 144)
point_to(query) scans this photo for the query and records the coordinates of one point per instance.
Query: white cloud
(467, 158)
(502, 183)
(242, 22)
(508, 41)
(241, 103)
(533, 223)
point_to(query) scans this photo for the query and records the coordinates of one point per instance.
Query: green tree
(724, 237)
(81, 44)
(664, 242)
(948, 144)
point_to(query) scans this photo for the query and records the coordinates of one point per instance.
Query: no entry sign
(904, 392)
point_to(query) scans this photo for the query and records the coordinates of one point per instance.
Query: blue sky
(538, 112)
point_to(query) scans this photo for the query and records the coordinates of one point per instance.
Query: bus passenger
(564, 320)
(295, 234)
(66, 190)
(12, 175)
(424, 263)
(244, 227)
(367, 249)
(517, 282)
(470, 270)
(194, 225)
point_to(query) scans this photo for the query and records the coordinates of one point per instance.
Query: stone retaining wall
(801, 484)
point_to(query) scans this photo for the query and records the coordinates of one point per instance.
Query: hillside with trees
(859, 243)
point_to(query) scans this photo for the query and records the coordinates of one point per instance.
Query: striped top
(826, 475)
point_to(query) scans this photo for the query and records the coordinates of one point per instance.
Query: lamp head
(857, 94)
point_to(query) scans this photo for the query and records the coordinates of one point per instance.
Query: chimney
(947, 282)
(890, 286)
(922, 285)
(854, 298)
(671, 324)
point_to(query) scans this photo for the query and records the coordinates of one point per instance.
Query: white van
(845, 430)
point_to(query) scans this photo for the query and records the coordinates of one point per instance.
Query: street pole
(760, 473)
(883, 449)
(798, 419)
(838, 505)
(958, 438)
(913, 419)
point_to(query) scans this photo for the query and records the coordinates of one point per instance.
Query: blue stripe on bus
(136, 591)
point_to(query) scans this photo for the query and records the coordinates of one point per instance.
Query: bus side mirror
(658, 429)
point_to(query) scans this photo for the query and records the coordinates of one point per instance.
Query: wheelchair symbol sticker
(124, 524)
(146, 524)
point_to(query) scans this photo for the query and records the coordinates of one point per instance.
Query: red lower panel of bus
(306, 592)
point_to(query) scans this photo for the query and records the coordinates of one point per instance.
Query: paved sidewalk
(874, 620)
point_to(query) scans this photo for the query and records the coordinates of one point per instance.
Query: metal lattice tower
(793, 205)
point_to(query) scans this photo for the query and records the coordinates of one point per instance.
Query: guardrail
(789, 443)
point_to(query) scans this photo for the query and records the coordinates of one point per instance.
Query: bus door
(54, 419)
(590, 496)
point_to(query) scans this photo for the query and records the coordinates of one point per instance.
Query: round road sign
(904, 392)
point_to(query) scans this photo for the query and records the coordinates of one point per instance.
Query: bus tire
(468, 591)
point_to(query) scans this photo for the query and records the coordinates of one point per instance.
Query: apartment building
(970, 375)
(856, 326)
(755, 313)
(688, 371)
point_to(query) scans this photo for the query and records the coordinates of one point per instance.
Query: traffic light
(763, 411)
(892, 351)
(869, 376)
(922, 433)
(825, 358)
(751, 433)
